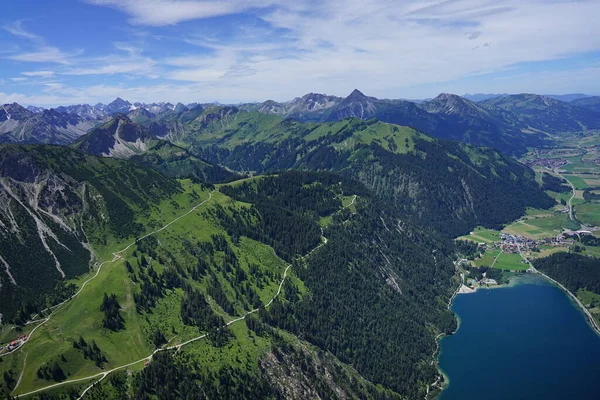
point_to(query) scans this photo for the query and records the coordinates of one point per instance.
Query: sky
(87, 51)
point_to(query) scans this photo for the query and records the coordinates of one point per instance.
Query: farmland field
(512, 262)
(541, 226)
(488, 258)
(588, 213)
(577, 181)
(482, 235)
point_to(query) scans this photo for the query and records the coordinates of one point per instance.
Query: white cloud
(169, 12)
(383, 46)
(132, 63)
(16, 28)
(41, 52)
(42, 73)
(45, 54)
(110, 69)
(19, 79)
(388, 48)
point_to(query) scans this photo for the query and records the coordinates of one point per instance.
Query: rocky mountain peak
(356, 95)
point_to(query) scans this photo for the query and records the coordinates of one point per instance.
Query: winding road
(116, 257)
(570, 202)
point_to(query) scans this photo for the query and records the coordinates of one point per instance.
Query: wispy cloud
(16, 29)
(41, 52)
(41, 73)
(169, 12)
(133, 62)
(109, 69)
(280, 49)
(44, 54)
(388, 45)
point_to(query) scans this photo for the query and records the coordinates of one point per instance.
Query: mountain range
(20, 125)
(197, 255)
(509, 123)
(134, 241)
(252, 142)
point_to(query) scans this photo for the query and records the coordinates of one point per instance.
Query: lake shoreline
(440, 384)
(539, 278)
(589, 317)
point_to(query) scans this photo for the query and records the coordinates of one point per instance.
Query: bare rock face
(41, 239)
(302, 372)
(119, 137)
(20, 125)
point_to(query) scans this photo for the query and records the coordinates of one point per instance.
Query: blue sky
(87, 51)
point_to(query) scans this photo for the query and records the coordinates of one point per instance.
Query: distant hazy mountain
(591, 103)
(180, 107)
(356, 105)
(35, 109)
(543, 114)
(118, 106)
(562, 97)
(140, 115)
(568, 97)
(482, 96)
(84, 111)
(446, 116)
(19, 125)
(510, 123)
(310, 107)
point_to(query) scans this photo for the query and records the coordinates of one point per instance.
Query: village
(548, 163)
(514, 244)
(511, 244)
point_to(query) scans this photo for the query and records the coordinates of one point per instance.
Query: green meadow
(81, 317)
(511, 262)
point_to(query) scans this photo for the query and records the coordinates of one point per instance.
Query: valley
(229, 244)
(54, 338)
(105, 278)
(269, 200)
(568, 172)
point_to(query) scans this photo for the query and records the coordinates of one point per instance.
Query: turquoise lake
(525, 341)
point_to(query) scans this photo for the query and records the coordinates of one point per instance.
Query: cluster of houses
(513, 244)
(516, 243)
(473, 283)
(548, 163)
(18, 342)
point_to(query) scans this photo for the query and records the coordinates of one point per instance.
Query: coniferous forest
(367, 231)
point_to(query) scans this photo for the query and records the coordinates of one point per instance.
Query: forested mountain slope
(441, 184)
(375, 279)
(446, 185)
(447, 116)
(120, 137)
(177, 162)
(376, 274)
(55, 202)
(308, 267)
